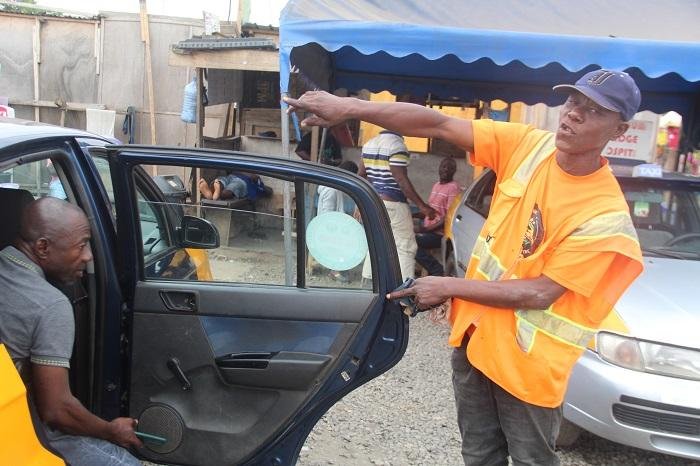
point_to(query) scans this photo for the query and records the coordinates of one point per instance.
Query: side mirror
(197, 233)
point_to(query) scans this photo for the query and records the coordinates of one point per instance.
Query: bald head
(49, 217)
(55, 234)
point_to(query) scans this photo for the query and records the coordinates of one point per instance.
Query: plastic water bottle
(189, 103)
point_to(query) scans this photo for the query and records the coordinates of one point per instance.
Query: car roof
(15, 130)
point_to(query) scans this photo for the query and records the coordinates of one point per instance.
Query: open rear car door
(246, 324)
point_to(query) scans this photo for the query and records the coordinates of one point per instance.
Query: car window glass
(41, 178)
(258, 244)
(665, 217)
(154, 226)
(102, 166)
(479, 198)
(336, 241)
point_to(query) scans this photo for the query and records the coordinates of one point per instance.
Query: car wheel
(568, 433)
(450, 265)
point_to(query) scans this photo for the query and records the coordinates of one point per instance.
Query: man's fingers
(401, 293)
(313, 120)
(294, 105)
(291, 101)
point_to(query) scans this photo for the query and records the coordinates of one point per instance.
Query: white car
(638, 383)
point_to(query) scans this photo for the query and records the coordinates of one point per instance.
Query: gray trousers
(495, 424)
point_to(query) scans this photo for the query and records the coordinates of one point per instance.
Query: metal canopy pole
(289, 263)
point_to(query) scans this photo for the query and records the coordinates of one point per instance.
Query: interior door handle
(174, 366)
(181, 301)
(245, 360)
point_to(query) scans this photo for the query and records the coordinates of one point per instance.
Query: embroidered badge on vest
(534, 234)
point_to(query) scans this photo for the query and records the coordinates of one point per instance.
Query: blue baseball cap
(614, 90)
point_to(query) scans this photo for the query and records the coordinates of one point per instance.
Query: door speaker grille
(163, 421)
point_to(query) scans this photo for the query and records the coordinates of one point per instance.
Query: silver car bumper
(643, 410)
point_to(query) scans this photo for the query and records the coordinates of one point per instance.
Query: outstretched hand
(327, 109)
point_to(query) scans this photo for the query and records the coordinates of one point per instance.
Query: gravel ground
(407, 417)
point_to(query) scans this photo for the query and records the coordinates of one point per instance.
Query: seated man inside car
(37, 327)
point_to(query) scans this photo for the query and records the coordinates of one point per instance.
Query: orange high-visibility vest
(530, 352)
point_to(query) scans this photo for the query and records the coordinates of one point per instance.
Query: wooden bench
(230, 216)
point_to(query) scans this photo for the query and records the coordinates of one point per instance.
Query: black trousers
(494, 424)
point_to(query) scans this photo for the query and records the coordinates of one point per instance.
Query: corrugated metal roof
(37, 10)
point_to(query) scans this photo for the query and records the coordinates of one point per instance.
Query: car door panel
(214, 405)
(239, 373)
(257, 351)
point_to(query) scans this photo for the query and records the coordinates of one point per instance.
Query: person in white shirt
(333, 200)
(330, 199)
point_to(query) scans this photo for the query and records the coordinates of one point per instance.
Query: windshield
(666, 216)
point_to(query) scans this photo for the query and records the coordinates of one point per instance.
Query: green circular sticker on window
(336, 240)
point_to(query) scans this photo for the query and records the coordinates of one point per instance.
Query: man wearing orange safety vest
(555, 253)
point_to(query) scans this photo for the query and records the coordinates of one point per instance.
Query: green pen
(150, 437)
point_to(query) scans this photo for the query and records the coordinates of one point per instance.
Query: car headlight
(645, 356)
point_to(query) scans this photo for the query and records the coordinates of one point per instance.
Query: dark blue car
(218, 323)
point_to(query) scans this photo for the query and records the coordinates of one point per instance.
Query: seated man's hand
(123, 432)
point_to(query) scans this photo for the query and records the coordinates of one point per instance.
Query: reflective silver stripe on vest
(614, 223)
(560, 328)
(540, 152)
(489, 265)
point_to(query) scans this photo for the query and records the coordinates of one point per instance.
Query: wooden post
(322, 144)
(101, 48)
(289, 252)
(200, 131)
(200, 106)
(146, 39)
(98, 48)
(314, 144)
(241, 16)
(36, 55)
(227, 121)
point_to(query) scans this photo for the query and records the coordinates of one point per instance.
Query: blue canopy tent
(469, 49)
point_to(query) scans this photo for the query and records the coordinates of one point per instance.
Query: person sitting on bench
(224, 187)
(234, 186)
